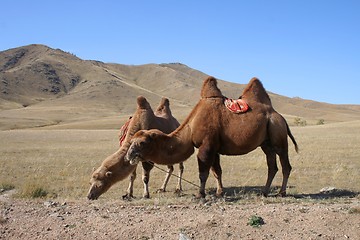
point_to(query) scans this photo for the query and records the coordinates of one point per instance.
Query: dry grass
(60, 162)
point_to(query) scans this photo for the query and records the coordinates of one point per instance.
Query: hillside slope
(41, 86)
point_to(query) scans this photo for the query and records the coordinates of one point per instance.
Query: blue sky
(305, 48)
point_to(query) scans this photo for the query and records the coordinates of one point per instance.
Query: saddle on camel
(236, 106)
(206, 128)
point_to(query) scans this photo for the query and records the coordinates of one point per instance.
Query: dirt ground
(212, 219)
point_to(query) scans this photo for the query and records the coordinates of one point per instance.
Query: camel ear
(108, 174)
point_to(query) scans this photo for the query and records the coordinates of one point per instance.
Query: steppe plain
(66, 122)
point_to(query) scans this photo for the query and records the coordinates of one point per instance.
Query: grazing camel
(214, 130)
(114, 168)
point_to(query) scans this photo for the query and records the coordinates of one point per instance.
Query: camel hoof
(146, 196)
(265, 194)
(281, 194)
(160, 190)
(127, 197)
(200, 195)
(196, 199)
(219, 194)
(178, 193)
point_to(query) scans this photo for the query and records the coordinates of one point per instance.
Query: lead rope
(183, 179)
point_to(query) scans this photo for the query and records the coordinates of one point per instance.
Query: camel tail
(292, 138)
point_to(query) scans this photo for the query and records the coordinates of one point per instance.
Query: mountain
(41, 86)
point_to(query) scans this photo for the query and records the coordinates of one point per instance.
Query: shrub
(256, 221)
(299, 122)
(6, 187)
(33, 191)
(321, 122)
(39, 193)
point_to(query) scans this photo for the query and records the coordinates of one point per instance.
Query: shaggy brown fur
(214, 130)
(114, 168)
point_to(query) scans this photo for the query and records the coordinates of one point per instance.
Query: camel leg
(272, 167)
(278, 133)
(146, 178)
(205, 159)
(167, 177)
(179, 185)
(204, 169)
(217, 172)
(129, 191)
(286, 169)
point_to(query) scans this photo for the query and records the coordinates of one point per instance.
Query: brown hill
(41, 86)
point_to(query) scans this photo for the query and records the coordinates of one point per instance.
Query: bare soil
(210, 219)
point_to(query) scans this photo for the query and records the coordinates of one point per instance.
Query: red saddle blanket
(123, 131)
(237, 105)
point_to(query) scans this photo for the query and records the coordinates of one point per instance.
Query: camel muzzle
(93, 193)
(133, 157)
(92, 196)
(135, 160)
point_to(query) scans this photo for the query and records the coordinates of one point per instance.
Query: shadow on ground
(239, 193)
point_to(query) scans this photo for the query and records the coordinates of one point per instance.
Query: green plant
(321, 122)
(354, 210)
(6, 187)
(33, 191)
(39, 193)
(300, 122)
(256, 221)
(144, 237)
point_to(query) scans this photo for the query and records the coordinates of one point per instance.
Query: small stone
(328, 189)
(183, 236)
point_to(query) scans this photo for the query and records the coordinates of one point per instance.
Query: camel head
(101, 180)
(142, 146)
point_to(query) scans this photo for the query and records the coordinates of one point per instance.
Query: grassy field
(58, 163)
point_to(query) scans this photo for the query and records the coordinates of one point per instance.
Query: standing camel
(214, 130)
(114, 168)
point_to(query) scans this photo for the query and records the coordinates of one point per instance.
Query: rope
(183, 179)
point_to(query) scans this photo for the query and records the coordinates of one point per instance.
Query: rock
(328, 190)
(183, 236)
(51, 204)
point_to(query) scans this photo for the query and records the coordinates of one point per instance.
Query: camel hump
(164, 102)
(143, 103)
(210, 89)
(255, 90)
(164, 106)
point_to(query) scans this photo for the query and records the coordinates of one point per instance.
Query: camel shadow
(233, 194)
(331, 194)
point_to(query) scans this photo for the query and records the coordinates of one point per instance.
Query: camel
(114, 168)
(214, 130)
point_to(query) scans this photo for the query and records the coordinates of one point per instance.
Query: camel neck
(176, 146)
(116, 162)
